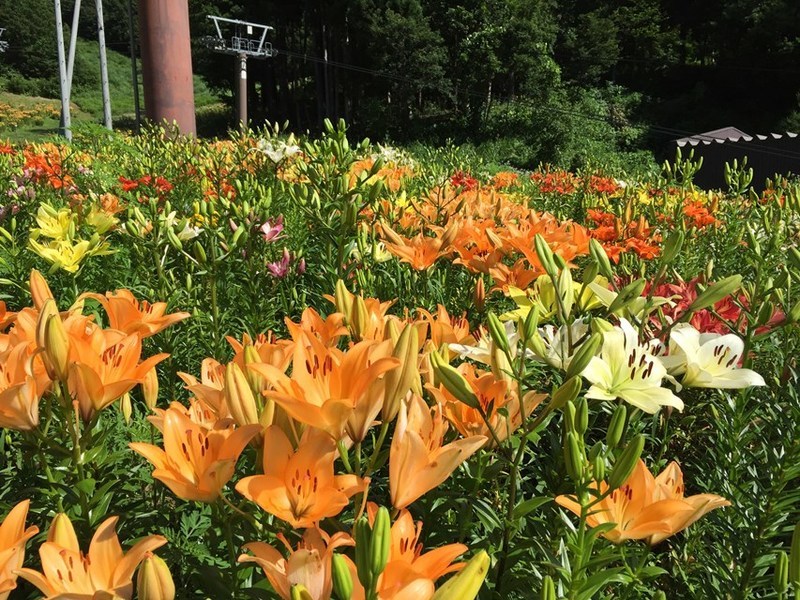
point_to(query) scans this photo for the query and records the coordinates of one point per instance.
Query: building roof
(729, 134)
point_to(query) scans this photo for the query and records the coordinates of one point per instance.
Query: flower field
(273, 367)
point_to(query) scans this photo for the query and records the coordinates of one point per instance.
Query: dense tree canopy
(532, 71)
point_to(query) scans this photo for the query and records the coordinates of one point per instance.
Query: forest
(559, 81)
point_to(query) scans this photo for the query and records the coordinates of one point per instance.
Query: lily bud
(126, 407)
(716, 292)
(62, 532)
(574, 457)
(405, 377)
(545, 255)
(531, 323)
(299, 592)
(466, 584)
(598, 253)
(567, 392)
(599, 325)
(616, 428)
(599, 468)
(794, 558)
(479, 295)
(359, 319)
(581, 416)
(342, 580)
(548, 589)
(501, 367)
(781, 578)
(672, 247)
(150, 389)
(453, 381)
(256, 380)
(52, 337)
(626, 462)
(344, 299)
(627, 295)
(40, 291)
(590, 273)
(380, 542)
(498, 333)
(584, 355)
(391, 331)
(570, 411)
(154, 581)
(239, 397)
(363, 535)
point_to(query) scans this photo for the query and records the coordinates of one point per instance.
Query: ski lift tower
(3, 45)
(244, 40)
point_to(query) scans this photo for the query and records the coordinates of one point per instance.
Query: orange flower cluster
(559, 182)
(618, 236)
(489, 233)
(302, 401)
(97, 366)
(45, 164)
(392, 175)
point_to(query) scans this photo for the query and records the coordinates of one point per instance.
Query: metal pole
(73, 36)
(101, 38)
(134, 71)
(167, 62)
(66, 121)
(243, 92)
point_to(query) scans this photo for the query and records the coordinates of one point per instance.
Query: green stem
(377, 448)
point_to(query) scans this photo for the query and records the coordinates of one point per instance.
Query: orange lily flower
(277, 353)
(493, 394)
(21, 388)
(13, 537)
(196, 462)
(299, 487)
(131, 316)
(446, 328)
(418, 462)
(104, 366)
(326, 383)
(308, 565)
(421, 251)
(328, 330)
(105, 572)
(647, 507)
(210, 389)
(198, 412)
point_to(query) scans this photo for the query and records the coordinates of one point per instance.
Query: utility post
(66, 63)
(249, 40)
(167, 63)
(243, 91)
(101, 38)
(66, 121)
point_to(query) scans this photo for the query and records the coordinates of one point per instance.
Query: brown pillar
(167, 62)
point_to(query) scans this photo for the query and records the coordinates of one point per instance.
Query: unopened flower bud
(150, 388)
(341, 577)
(62, 532)
(52, 337)
(154, 581)
(626, 463)
(239, 397)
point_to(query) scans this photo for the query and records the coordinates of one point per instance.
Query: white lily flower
(556, 342)
(481, 350)
(629, 370)
(277, 150)
(189, 232)
(708, 360)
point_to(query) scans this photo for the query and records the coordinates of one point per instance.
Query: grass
(87, 100)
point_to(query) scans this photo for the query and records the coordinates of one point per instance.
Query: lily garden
(279, 367)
